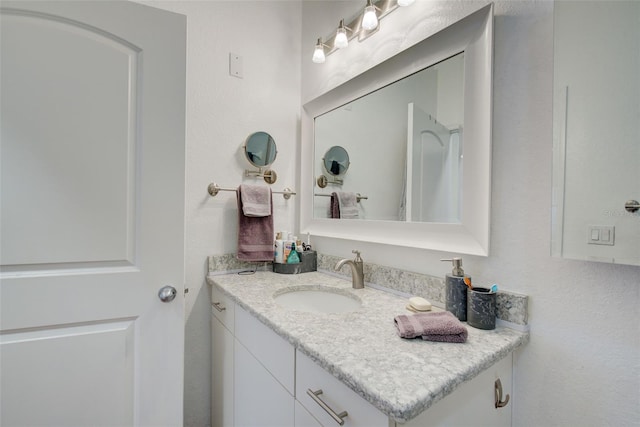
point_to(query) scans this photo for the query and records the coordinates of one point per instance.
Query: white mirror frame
(472, 34)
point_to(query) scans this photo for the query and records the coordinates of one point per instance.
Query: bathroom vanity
(274, 365)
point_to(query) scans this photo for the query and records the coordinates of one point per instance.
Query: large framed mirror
(445, 82)
(596, 131)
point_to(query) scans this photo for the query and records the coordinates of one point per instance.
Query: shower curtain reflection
(433, 169)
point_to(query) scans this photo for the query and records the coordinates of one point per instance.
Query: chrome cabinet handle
(498, 391)
(167, 293)
(336, 417)
(218, 306)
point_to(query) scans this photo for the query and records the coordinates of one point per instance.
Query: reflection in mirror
(260, 149)
(409, 143)
(336, 161)
(596, 131)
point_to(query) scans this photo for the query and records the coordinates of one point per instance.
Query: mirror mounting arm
(323, 180)
(270, 176)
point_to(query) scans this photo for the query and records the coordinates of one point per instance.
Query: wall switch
(601, 235)
(235, 65)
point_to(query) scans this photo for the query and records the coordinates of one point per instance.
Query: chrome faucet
(357, 272)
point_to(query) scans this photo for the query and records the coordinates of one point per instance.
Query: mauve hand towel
(334, 209)
(255, 233)
(440, 326)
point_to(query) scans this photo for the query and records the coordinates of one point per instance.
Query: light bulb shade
(341, 41)
(404, 3)
(370, 19)
(318, 54)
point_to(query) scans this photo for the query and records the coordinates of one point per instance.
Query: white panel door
(92, 214)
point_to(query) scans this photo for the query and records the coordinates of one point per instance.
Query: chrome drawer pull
(337, 417)
(218, 306)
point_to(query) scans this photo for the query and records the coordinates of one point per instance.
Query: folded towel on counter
(256, 200)
(255, 233)
(347, 205)
(440, 326)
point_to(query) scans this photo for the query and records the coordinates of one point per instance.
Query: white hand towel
(256, 200)
(348, 203)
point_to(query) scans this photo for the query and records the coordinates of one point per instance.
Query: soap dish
(418, 305)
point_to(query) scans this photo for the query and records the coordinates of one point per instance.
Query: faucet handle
(357, 258)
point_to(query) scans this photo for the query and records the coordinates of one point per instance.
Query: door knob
(632, 206)
(167, 293)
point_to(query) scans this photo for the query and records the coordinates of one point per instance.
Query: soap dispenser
(456, 290)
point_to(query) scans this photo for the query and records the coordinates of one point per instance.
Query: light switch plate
(601, 235)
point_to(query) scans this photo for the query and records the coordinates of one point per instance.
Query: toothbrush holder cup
(481, 308)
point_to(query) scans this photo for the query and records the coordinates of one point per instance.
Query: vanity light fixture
(318, 53)
(341, 41)
(370, 17)
(363, 25)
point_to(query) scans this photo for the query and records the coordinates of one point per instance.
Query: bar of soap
(420, 304)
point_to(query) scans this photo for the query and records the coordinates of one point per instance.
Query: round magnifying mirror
(260, 149)
(336, 160)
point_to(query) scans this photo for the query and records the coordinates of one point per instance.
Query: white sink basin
(317, 300)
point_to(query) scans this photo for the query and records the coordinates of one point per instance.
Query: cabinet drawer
(274, 352)
(337, 396)
(223, 308)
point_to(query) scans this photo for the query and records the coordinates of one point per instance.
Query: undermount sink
(317, 300)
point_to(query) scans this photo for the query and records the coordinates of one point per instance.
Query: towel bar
(214, 189)
(358, 196)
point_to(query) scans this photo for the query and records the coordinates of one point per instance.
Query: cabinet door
(260, 400)
(473, 403)
(273, 351)
(303, 418)
(221, 375)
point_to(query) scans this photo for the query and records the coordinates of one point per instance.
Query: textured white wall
(221, 112)
(581, 366)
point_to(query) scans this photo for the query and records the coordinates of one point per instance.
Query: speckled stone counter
(400, 377)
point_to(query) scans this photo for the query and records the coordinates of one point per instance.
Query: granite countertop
(362, 349)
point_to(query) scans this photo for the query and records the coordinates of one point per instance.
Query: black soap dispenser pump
(456, 290)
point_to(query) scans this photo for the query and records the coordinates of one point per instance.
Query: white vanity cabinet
(328, 399)
(259, 379)
(222, 341)
(252, 370)
(474, 403)
(471, 404)
(264, 375)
